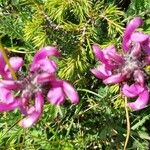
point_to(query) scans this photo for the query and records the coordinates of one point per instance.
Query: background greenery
(98, 121)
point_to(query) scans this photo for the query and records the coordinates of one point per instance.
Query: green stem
(128, 125)
(91, 92)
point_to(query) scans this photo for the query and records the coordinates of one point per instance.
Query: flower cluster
(31, 90)
(127, 68)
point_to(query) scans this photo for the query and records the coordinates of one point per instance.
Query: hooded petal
(99, 53)
(8, 107)
(29, 120)
(110, 48)
(111, 54)
(141, 101)
(115, 57)
(45, 77)
(139, 37)
(70, 92)
(45, 65)
(131, 27)
(39, 101)
(24, 105)
(10, 84)
(59, 89)
(113, 79)
(107, 56)
(133, 90)
(48, 66)
(146, 46)
(25, 108)
(6, 96)
(101, 72)
(56, 96)
(139, 76)
(16, 63)
(35, 115)
(136, 50)
(44, 53)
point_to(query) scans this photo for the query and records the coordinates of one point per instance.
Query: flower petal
(129, 91)
(6, 96)
(113, 79)
(146, 46)
(56, 96)
(132, 90)
(111, 54)
(35, 115)
(110, 48)
(10, 84)
(44, 53)
(136, 50)
(16, 64)
(139, 76)
(8, 107)
(115, 57)
(101, 72)
(70, 92)
(39, 101)
(24, 105)
(141, 102)
(29, 120)
(139, 37)
(98, 74)
(25, 108)
(45, 77)
(131, 27)
(104, 57)
(99, 53)
(45, 65)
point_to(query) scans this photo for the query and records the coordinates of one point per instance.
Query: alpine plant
(127, 68)
(28, 93)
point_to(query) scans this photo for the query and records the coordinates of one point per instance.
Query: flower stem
(7, 62)
(128, 125)
(91, 92)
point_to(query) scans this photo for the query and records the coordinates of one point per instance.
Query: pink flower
(60, 89)
(40, 81)
(7, 100)
(130, 36)
(129, 66)
(136, 90)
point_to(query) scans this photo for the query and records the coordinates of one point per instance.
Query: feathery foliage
(73, 25)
